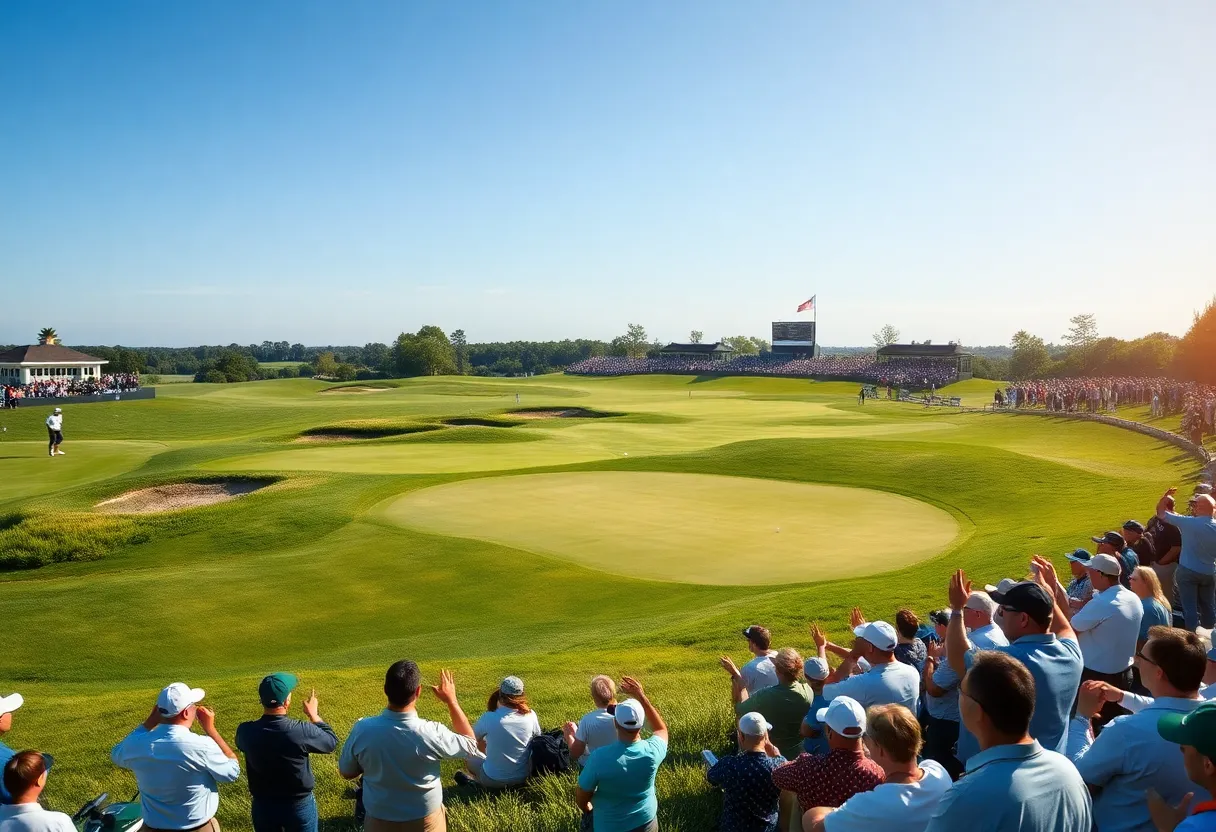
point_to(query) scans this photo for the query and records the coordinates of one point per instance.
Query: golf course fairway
(431, 523)
(693, 528)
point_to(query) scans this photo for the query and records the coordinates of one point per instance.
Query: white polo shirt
(894, 683)
(759, 673)
(55, 421)
(30, 817)
(893, 807)
(507, 733)
(1107, 629)
(178, 772)
(595, 730)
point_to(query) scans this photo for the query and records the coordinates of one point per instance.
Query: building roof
(47, 354)
(704, 349)
(922, 350)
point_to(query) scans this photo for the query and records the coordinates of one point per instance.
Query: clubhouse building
(47, 362)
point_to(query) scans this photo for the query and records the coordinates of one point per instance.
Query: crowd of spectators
(53, 388)
(899, 372)
(1195, 403)
(1031, 705)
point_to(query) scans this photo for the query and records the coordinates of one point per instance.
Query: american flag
(810, 304)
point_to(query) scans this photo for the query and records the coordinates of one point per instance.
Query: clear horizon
(180, 174)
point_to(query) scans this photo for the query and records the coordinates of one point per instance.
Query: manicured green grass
(311, 575)
(689, 528)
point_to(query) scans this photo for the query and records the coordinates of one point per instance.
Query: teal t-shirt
(622, 777)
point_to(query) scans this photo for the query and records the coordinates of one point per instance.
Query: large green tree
(1030, 356)
(633, 344)
(1196, 356)
(745, 344)
(427, 352)
(886, 336)
(460, 345)
(1083, 333)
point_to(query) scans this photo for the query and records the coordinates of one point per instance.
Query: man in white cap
(8, 704)
(1107, 629)
(617, 781)
(178, 771)
(908, 798)
(54, 429)
(887, 682)
(832, 779)
(750, 800)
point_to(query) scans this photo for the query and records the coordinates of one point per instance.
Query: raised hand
(960, 590)
(311, 706)
(856, 619)
(206, 718)
(1045, 572)
(445, 691)
(728, 664)
(821, 641)
(632, 686)
(935, 649)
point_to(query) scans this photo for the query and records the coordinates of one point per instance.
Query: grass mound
(563, 413)
(32, 540)
(482, 421)
(179, 496)
(362, 429)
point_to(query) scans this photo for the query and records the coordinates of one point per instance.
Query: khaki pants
(436, 822)
(476, 766)
(212, 825)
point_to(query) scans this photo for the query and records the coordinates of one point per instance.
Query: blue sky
(209, 172)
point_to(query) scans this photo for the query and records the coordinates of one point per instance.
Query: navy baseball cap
(1134, 526)
(1080, 556)
(1027, 597)
(1111, 539)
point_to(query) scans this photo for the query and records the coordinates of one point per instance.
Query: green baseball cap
(1196, 729)
(275, 689)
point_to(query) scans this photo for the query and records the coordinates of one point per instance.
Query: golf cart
(95, 816)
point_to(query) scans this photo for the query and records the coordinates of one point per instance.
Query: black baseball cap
(1111, 539)
(1027, 597)
(941, 617)
(1134, 526)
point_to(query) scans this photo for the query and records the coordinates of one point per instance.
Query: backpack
(550, 754)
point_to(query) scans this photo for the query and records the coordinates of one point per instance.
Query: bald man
(1195, 577)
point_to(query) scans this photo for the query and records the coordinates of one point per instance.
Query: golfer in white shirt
(54, 429)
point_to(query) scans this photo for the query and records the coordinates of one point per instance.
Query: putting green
(692, 528)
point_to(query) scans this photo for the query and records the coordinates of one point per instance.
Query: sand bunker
(568, 413)
(355, 389)
(178, 496)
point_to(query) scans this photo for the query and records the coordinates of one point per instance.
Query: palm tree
(47, 335)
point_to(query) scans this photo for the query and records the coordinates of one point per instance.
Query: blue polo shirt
(1198, 542)
(819, 744)
(622, 778)
(1056, 667)
(6, 754)
(1203, 819)
(1016, 788)
(1155, 615)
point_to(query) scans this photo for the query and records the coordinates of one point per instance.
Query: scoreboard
(802, 332)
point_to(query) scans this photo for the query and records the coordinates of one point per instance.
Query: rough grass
(305, 576)
(34, 540)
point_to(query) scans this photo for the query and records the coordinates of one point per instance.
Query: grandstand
(946, 354)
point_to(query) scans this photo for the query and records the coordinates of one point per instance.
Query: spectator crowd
(52, 388)
(1195, 403)
(1035, 704)
(899, 372)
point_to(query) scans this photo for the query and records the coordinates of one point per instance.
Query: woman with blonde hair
(1147, 586)
(597, 728)
(503, 734)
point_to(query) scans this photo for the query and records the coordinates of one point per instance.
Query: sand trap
(568, 413)
(178, 496)
(314, 438)
(355, 389)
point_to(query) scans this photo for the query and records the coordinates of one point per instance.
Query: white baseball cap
(981, 602)
(177, 697)
(879, 633)
(845, 716)
(58, 410)
(1004, 586)
(754, 725)
(629, 715)
(10, 703)
(815, 668)
(1106, 564)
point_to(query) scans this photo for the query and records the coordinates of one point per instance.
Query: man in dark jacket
(276, 751)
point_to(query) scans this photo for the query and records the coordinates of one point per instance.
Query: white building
(47, 362)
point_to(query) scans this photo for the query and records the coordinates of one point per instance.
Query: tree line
(431, 351)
